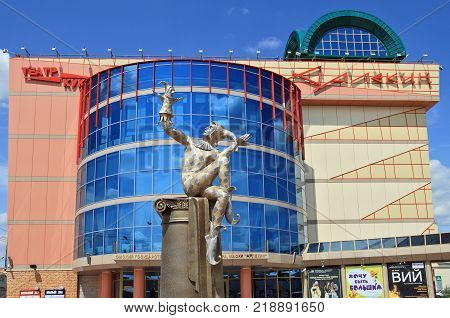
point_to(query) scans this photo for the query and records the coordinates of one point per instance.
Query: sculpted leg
(222, 199)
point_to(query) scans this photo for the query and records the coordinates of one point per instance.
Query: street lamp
(26, 51)
(54, 49)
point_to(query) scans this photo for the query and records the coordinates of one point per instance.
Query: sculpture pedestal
(185, 270)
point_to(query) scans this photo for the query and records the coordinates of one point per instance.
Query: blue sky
(216, 27)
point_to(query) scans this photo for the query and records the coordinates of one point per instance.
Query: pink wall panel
(22, 200)
(52, 244)
(67, 243)
(54, 199)
(68, 201)
(26, 110)
(58, 115)
(36, 244)
(12, 156)
(24, 154)
(42, 119)
(38, 206)
(40, 157)
(72, 115)
(70, 155)
(18, 243)
(56, 157)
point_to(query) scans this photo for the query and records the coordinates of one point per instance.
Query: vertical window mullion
(107, 94)
(97, 100)
(260, 89)
(121, 86)
(137, 80)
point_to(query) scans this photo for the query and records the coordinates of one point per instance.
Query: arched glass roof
(350, 41)
(347, 33)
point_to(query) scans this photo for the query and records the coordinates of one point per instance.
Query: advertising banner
(324, 282)
(407, 280)
(364, 281)
(55, 293)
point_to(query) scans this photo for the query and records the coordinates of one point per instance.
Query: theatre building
(334, 180)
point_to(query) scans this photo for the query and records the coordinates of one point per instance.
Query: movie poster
(364, 281)
(407, 280)
(324, 282)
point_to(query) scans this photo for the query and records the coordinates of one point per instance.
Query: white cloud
(440, 179)
(4, 80)
(269, 43)
(240, 11)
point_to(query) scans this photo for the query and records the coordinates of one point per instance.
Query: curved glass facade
(350, 41)
(125, 155)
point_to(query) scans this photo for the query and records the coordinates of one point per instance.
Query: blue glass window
(255, 185)
(114, 135)
(128, 133)
(128, 108)
(142, 239)
(100, 190)
(145, 129)
(218, 75)
(156, 238)
(125, 241)
(144, 159)
(219, 105)
(200, 103)
(285, 242)
(110, 241)
(252, 81)
(111, 217)
(361, 245)
(126, 215)
(240, 239)
(389, 242)
(256, 214)
(146, 75)
(143, 213)
(144, 185)
(145, 106)
(129, 78)
(273, 238)
(257, 239)
(112, 187)
(335, 247)
(88, 244)
(127, 158)
(283, 218)
(163, 72)
(112, 165)
(271, 214)
(270, 188)
(88, 221)
(115, 82)
(103, 85)
(236, 106)
(350, 41)
(374, 243)
(200, 74)
(90, 170)
(126, 184)
(94, 91)
(161, 157)
(98, 243)
(181, 74)
(236, 77)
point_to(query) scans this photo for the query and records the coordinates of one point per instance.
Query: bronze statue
(202, 163)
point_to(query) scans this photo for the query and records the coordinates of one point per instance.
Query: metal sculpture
(202, 162)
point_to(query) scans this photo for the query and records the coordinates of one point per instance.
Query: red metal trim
(89, 104)
(291, 104)
(154, 76)
(260, 90)
(283, 101)
(190, 74)
(302, 135)
(273, 96)
(97, 100)
(228, 79)
(121, 86)
(80, 114)
(297, 104)
(209, 76)
(107, 93)
(171, 73)
(245, 84)
(137, 80)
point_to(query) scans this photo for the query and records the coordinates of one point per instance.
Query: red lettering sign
(52, 75)
(347, 77)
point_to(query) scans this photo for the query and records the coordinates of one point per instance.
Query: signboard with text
(55, 293)
(324, 282)
(364, 281)
(407, 280)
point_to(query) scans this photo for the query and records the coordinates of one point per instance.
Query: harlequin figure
(202, 162)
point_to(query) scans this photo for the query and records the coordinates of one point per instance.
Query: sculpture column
(139, 283)
(105, 284)
(246, 282)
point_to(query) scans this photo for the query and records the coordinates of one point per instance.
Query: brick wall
(50, 279)
(88, 286)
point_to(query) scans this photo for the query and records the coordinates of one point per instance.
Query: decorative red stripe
(89, 104)
(121, 87)
(107, 93)
(283, 100)
(291, 105)
(260, 90)
(80, 113)
(273, 96)
(97, 99)
(245, 85)
(137, 81)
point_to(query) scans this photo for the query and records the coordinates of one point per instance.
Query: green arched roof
(304, 42)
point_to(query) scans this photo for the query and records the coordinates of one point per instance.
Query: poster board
(30, 293)
(407, 280)
(324, 282)
(364, 281)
